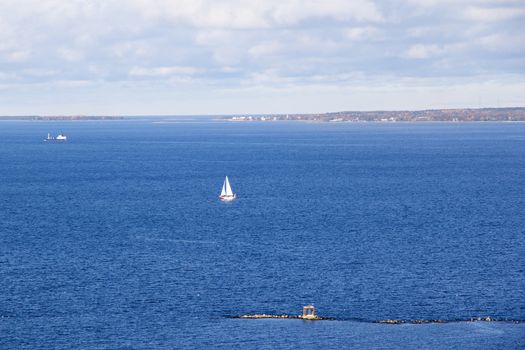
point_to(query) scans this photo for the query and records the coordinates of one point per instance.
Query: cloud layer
(115, 56)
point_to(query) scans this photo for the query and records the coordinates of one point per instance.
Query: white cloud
(70, 55)
(230, 44)
(502, 42)
(133, 48)
(420, 51)
(163, 71)
(41, 73)
(362, 33)
(493, 14)
(247, 14)
(292, 12)
(448, 3)
(269, 77)
(214, 37)
(73, 83)
(18, 56)
(8, 76)
(265, 48)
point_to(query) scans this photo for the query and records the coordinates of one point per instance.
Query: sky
(195, 57)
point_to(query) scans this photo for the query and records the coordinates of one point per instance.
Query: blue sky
(132, 57)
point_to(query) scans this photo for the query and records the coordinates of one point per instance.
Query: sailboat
(227, 194)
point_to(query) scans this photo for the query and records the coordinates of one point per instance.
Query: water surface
(116, 238)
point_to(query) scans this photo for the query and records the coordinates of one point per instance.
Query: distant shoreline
(61, 118)
(379, 122)
(510, 114)
(466, 115)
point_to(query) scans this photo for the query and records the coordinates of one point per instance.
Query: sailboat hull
(227, 198)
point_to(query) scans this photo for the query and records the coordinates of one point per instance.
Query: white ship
(227, 194)
(60, 137)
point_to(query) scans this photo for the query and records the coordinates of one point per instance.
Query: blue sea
(117, 239)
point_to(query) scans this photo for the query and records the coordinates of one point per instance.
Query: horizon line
(255, 114)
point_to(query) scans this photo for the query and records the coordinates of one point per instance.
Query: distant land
(61, 117)
(429, 115)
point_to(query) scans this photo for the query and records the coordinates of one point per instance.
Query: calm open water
(116, 239)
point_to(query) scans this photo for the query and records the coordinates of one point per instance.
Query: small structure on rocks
(309, 312)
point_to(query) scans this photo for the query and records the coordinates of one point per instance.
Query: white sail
(223, 192)
(229, 191)
(227, 194)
